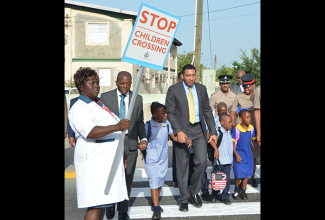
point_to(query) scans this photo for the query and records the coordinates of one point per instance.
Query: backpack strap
(144, 152)
(252, 131)
(219, 137)
(168, 127)
(149, 130)
(237, 132)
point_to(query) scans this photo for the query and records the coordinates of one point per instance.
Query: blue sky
(230, 29)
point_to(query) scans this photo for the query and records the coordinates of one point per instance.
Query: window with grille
(97, 33)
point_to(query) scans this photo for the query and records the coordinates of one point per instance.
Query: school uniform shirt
(156, 162)
(226, 148)
(217, 122)
(93, 158)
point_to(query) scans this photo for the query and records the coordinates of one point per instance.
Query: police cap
(225, 78)
(248, 79)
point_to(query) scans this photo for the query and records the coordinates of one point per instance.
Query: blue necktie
(122, 107)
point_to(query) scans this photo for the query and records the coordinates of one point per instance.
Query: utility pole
(198, 37)
(215, 62)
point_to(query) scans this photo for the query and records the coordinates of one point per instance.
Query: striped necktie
(122, 107)
(191, 106)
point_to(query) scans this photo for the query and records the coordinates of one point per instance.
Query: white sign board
(151, 38)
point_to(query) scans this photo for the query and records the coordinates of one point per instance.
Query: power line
(222, 9)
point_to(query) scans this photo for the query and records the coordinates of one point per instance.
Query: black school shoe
(243, 196)
(152, 208)
(236, 194)
(156, 214)
(253, 183)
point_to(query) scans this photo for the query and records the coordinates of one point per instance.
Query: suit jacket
(178, 112)
(235, 88)
(136, 128)
(70, 131)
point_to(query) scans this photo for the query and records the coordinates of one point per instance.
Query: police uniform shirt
(218, 97)
(243, 101)
(257, 100)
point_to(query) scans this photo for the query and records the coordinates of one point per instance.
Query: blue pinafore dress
(242, 139)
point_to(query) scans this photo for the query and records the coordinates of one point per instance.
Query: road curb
(70, 174)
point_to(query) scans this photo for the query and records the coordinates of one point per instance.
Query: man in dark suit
(187, 103)
(117, 100)
(238, 87)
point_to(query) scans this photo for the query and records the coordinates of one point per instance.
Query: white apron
(93, 158)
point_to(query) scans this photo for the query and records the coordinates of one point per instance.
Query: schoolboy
(225, 155)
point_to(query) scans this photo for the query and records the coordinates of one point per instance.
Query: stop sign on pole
(151, 38)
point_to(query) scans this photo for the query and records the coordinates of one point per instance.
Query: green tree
(251, 65)
(186, 58)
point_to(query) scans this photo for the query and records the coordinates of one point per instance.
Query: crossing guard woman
(97, 132)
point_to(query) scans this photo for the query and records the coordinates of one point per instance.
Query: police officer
(246, 100)
(223, 95)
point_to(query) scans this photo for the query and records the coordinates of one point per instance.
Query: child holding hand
(225, 156)
(243, 164)
(156, 160)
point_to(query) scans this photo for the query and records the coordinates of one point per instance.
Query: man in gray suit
(187, 105)
(117, 101)
(238, 88)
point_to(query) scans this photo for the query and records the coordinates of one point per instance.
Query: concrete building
(96, 37)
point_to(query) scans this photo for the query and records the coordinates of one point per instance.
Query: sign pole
(121, 141)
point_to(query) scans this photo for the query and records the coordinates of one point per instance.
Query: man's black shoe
(156, 214)
(183, 207)
(123, 216)
(196, 200)
(110, 212)
(253, 183)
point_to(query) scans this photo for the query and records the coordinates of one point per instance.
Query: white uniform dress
(93, 158)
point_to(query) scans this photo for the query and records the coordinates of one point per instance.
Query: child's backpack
(210, 149)
(238, 136)
(144, 152)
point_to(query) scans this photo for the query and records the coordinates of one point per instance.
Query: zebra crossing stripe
(245, 208)
(171, 191)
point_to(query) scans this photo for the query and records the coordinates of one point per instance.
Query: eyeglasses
(238, 77)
